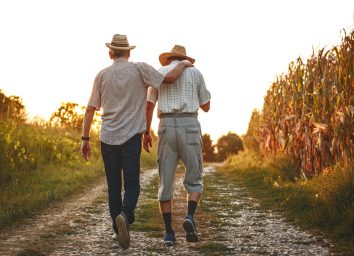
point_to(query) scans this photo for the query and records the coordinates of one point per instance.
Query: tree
(67, 115)
(12, 107)
(227, 145)
(208, 148)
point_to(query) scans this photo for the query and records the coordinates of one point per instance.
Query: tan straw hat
(120, 42)
(177, 51)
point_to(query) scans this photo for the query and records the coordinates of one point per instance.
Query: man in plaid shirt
(179, 138)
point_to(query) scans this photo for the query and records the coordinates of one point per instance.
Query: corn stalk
(308, 113)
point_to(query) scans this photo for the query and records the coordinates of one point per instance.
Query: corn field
(308, 113)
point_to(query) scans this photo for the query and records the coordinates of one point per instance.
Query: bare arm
(176, 72)
(86, 146)
(205, 107)
(89, 114)
(147, 141)
(149, 111)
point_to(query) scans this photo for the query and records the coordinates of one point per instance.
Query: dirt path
(244, 228)
(79, 226)
(52, 224)
(229, 221)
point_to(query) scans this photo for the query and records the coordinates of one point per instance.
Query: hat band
(119, 45)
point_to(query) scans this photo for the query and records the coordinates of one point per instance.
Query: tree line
(70, 115)
(227, 145)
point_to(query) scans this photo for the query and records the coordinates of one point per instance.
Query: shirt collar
(120, 60)
(175, 62)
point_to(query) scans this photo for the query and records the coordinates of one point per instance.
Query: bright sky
(52, 50)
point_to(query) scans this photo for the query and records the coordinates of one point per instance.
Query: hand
(85, 149)
(187, 63)
(147, 142)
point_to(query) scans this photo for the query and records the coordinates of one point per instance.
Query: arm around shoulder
(176, 72)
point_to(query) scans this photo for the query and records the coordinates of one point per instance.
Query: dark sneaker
(123, 228)
(189, 227)
(169, 239)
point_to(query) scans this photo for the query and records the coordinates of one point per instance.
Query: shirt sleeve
(95, 98)
(152, 95)
(203, 93)
(164, 70)
(150, 76)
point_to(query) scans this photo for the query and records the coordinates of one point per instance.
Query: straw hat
(120, 42)
(177, 51)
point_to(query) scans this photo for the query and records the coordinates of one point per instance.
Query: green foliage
(25, 147)
(39, 164)
(208, 148)
(227, 145)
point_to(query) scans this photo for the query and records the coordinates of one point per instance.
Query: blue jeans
(122, 159)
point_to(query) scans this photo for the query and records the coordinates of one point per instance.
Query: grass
(148, 160)
(40, 165)
(324, 203)
(148, 218)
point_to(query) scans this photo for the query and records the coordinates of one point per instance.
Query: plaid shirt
(120, 90)
(184, 96)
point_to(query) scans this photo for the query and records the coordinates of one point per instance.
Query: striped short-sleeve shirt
(184, 96)
(120, 90)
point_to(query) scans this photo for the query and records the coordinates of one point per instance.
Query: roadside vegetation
(148, 217)
(40, 162)
(299, 147)
(323, 203)
(308, 112)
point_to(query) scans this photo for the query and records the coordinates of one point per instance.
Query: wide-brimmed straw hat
(177, 51)
(120, 42)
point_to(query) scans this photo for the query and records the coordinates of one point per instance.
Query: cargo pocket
(162, 135)
(193, 135)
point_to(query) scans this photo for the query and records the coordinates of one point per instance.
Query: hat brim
(163, 58)
(119, 48)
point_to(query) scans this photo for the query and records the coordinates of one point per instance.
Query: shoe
(123, 231)
(169, 239)
(189, 227)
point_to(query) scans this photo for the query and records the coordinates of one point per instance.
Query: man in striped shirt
(120, 90)
(179, 138)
